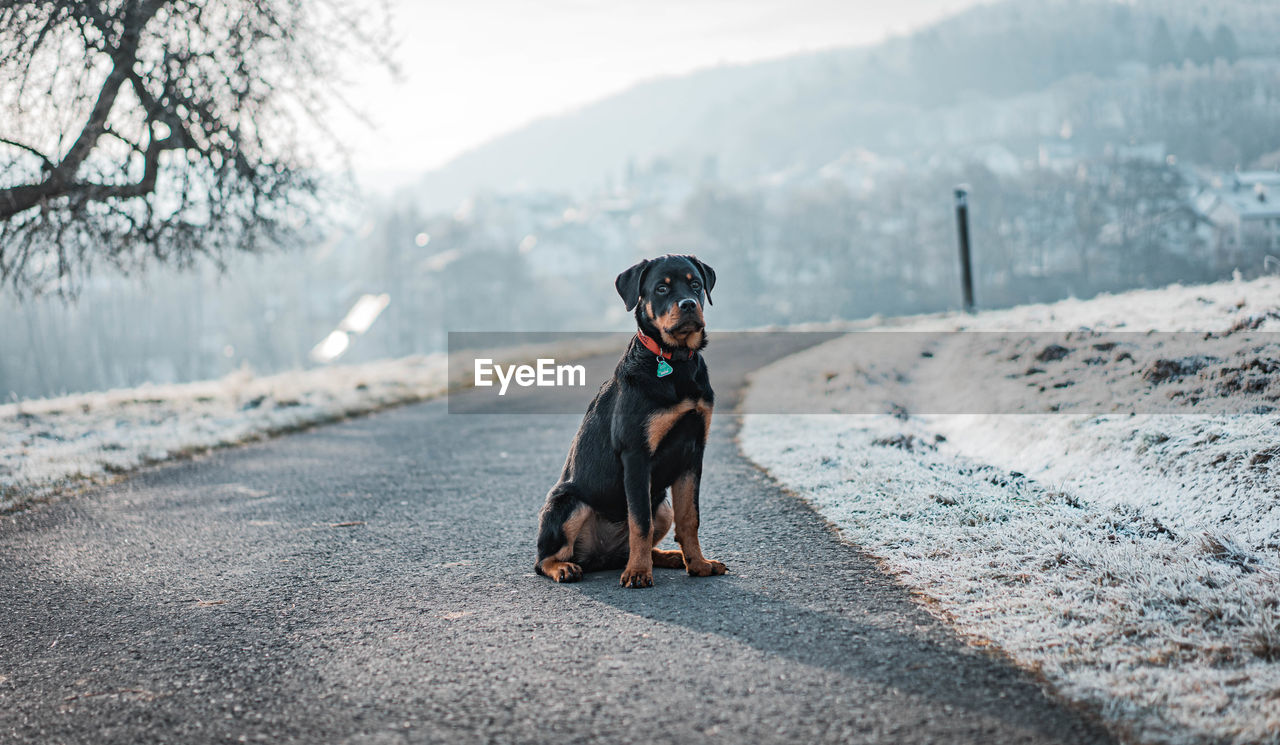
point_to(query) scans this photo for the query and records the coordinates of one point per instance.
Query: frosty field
(50, 446)
(1132, 559)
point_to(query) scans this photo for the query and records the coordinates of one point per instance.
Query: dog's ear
(708, 276)
(628, 283)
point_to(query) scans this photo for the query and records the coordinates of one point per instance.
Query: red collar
(652, 346)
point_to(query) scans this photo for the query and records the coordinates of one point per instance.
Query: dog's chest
(669, 421)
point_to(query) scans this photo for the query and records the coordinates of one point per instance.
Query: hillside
(670, 117)
(807, 110)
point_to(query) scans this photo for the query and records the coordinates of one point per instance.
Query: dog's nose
(688, 304)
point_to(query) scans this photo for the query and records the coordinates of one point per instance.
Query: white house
(1244, 213)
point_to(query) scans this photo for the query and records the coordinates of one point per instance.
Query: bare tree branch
(43, 158)
(60, 179)
(227, 88)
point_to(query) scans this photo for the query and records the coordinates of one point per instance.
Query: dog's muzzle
(690, 319)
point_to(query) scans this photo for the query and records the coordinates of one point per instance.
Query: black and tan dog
(644, 432)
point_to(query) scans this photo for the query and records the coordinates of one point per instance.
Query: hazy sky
(476, 69)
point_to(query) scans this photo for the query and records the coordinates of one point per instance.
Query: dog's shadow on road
(892, 653)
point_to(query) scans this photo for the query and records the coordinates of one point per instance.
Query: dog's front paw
(565, 572)
(637, 578)
(706, 568)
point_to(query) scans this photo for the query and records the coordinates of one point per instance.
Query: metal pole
(962, 226)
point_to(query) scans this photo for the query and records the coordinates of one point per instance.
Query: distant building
(860, 169)
(1145, 152)
(1060, 156)
(998, 159)
(1243, 212)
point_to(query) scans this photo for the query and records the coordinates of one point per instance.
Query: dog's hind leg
(561, 520)
(662, 518)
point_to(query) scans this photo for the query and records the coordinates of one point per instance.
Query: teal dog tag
(663, 368)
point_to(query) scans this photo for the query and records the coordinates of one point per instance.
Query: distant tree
(1122, 35)
(1198, 49)
(145, 131)
(731, 230)
(1162, 50)
(1122, 19)
(1224, 44)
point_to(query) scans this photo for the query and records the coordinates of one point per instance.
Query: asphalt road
(231, 598)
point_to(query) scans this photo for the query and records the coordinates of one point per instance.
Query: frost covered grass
(1134, 560)
(57, 445)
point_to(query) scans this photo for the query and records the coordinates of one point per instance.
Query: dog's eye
(661, 290)
(695, 284)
